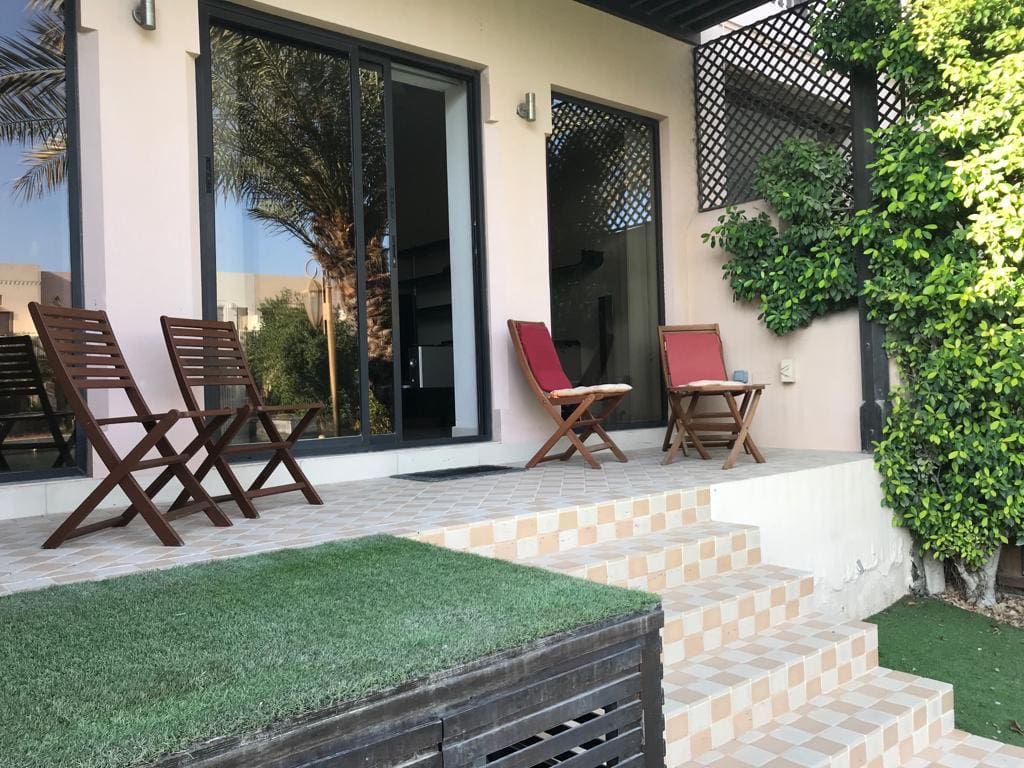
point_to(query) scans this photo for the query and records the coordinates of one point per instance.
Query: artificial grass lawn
(981, 657)
(119, 672)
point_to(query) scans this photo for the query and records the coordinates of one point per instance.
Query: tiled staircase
(753, 677)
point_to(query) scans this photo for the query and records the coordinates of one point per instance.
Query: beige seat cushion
(716, 383)
(598, 389)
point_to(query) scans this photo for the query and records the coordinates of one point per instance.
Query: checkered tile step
(709, 613)
(962, 750)
(559, 530)
(662, 560)
(880, 720)
(713, 698)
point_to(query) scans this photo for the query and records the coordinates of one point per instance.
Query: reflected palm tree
(282, 138)
(33, 106)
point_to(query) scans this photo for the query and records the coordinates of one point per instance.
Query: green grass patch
(119, 672)
(981, 657)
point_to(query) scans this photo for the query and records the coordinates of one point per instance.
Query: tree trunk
(980, 584)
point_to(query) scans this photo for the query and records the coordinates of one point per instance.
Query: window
(605, 252)
(338, 228)
(37, 219)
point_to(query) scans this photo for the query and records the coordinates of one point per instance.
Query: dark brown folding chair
(209, 353)
(20, 377)
(694, 366)
(590, 406)
(85, 355)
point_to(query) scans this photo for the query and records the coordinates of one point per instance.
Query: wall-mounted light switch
(787, 371)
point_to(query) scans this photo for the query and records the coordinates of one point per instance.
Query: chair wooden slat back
(205, 353)
(19, 369)
(84, 352)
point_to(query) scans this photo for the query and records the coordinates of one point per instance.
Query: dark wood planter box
(1011, 567)
(578, 700)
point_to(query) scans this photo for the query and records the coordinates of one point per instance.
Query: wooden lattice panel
(757, 87)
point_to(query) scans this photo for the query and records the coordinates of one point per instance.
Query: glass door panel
(604, 252)
(377, 237)
(287, 271)
(37, 432)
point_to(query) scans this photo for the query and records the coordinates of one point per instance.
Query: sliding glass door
(605, 252)
(338, 228)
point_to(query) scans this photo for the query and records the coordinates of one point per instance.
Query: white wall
(829, 521)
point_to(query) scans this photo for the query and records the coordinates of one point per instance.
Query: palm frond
(47, 169)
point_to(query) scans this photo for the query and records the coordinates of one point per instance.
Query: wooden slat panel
(190, 324)
(49, 311)
(72, 323)
(206, 343)
(102, 383)
(82, 347)
(506, 733)
(584, 674)
(623, 718)
(196, 372)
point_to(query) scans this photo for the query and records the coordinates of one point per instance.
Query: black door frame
(655, 128)
(288, 31)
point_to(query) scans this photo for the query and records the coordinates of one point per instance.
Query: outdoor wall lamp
(527, 108)
(145, 14)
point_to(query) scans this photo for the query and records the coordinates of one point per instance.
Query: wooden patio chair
(209, 353)
(85, 355)
(693, 363)
(587, 407)
(20, 377)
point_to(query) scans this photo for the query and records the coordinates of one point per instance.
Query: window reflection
(286, 257)
(36, 431)
(603, 234)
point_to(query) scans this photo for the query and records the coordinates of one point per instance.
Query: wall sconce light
(527, 108)
(145, 14)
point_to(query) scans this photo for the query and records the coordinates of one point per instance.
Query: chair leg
(687, 424)
(284, 455)
(119, 476)
(563, 429)
(609, 405)
(743, 422)
(215, 459)
(667, 440)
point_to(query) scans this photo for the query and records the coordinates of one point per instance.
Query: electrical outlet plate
(787, 371)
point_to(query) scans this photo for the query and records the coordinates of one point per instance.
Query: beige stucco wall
(821, 408)
(140, 189)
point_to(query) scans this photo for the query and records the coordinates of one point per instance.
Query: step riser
(561, 530)
(695, 632)
(878, 721)
(711, 722)
(674, 566)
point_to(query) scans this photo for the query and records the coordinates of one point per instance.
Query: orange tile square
(526, 527)
(481, 535)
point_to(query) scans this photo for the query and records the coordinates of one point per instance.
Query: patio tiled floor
(383, 505)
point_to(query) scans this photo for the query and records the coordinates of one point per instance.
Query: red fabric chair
(590, 405)
(694, 367)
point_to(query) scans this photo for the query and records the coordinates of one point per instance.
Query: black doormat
(457, 473)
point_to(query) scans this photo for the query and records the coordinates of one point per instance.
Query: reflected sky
(36, 232)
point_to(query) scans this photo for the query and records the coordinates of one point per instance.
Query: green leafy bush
(805, 268)
(289, 359)
(946, 241)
